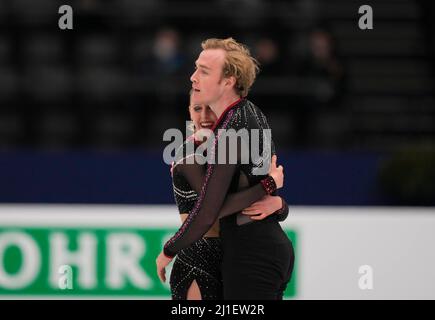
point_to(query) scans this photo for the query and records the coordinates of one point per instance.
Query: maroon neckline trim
(225, 112)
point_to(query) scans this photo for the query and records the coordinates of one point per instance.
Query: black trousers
(258, 260)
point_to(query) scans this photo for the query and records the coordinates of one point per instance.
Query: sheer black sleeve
(234, 202)
(211, 198)
(214, 188)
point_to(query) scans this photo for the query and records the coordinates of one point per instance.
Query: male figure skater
(257, 257)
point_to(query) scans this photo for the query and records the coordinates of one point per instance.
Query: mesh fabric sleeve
(211, 198)
(234, 202)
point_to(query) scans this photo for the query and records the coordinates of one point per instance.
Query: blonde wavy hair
(238, 63)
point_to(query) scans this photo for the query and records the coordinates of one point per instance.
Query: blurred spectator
(324, 70)
(167, 57)
(323, 77)
(268, 54)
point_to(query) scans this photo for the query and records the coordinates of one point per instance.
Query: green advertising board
(95, 262)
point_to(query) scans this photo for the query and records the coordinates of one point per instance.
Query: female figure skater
(196, 273)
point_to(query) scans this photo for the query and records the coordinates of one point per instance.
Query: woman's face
(202, 116)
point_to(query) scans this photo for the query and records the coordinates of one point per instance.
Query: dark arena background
(87, 92)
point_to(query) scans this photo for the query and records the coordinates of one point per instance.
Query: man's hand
(264, 207)
(162, 261)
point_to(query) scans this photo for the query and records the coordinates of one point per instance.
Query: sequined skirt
(201, 262)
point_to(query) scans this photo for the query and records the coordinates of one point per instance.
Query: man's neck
(219, 106)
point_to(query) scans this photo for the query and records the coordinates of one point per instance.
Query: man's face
(207, 83)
